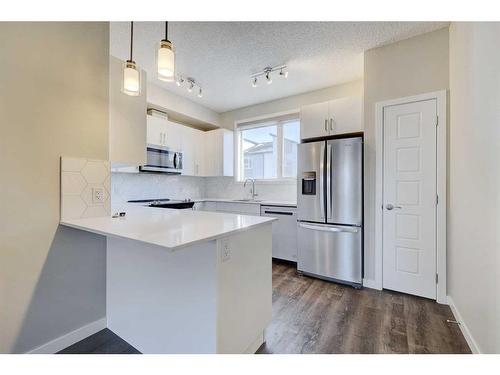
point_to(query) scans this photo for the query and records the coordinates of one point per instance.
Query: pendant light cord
(166, 30)
(131, 38)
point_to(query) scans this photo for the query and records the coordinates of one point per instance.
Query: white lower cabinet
(284, 231)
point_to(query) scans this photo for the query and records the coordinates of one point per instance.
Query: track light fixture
(190, 84)
(267, 73)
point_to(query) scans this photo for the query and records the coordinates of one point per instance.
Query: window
(267, 149)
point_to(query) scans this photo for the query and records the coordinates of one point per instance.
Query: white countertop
(168, 228)
(260, 202)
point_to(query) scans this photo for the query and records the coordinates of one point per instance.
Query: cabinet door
(314, 120)
(346, 115)
(156, 130)
(213, 153)
(173, 139)
(199, 153)
(188, 151)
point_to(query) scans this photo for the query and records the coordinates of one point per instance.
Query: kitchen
(198, 184)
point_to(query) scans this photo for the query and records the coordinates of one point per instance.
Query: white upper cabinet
(314, 120)
(157, 130)
(339, 116)
(218, 152)
(346, 115)
(127, 120)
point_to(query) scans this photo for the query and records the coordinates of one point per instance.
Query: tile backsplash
(129, 186)
(227, 187)
(79, 179)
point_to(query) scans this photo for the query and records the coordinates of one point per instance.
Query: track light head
(179, 81)
(284, 73)
(191, 86)
(268, 78)
(200, 93)
(254, 82)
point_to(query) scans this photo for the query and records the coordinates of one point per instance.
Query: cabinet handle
(331, 124)
(326, 125)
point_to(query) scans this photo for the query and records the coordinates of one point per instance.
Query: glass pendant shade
(165, 61)
(131, 84)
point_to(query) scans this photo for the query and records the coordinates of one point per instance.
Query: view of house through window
(268, 150)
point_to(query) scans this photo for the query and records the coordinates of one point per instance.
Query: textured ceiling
(221, 56)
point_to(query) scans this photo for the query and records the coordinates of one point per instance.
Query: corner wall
(53, 102)
(474, 182)
(409, 67)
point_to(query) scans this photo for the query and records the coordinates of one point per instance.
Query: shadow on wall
(71, 289)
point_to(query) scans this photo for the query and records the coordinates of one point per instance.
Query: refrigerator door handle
(329, 196)
(330, 228)
(321, 177)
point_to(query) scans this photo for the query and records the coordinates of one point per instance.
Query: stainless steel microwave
(163, 160)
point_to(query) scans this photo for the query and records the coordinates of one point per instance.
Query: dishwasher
(284, 231)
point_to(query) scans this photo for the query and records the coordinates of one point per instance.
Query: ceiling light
(269, 80)
(165, 59)
(267, 74)
(200, 94)
(131, 80)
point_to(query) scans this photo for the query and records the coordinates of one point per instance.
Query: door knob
(391, 207)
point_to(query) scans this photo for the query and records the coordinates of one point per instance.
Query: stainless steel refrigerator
(330, 209)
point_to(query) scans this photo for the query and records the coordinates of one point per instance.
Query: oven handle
(330, 228)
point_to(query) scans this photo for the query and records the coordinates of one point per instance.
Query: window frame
(272, 120)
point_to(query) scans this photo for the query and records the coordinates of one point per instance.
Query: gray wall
(409, 67)
(474, 180)
(53, 102)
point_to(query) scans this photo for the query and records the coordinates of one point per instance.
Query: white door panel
(409, 228)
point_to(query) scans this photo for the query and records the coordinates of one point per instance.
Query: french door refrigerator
(330, 209)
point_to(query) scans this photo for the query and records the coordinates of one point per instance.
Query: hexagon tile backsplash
(81, 181)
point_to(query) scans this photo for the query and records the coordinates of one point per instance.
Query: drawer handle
(279, 213)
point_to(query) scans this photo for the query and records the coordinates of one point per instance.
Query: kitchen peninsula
(184, 281)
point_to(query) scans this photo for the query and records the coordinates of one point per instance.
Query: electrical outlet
(97, 195)
(225, 250)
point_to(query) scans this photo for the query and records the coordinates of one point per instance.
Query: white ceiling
(221, 56)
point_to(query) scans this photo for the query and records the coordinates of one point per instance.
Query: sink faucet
(254, 193)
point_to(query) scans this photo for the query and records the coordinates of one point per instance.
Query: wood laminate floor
(315, 316)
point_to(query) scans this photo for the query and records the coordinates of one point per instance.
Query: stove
(166, 203)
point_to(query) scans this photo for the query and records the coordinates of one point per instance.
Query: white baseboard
(463, 327)
(372, 284)
(70, 338)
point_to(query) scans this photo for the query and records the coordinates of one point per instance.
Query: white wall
(53, 102)
(409, 67)
(227, 119)
(172, 102)
(474, 180)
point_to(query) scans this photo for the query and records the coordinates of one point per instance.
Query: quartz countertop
(168, 228)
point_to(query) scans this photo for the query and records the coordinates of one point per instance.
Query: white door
(314, 120)
(409, 218)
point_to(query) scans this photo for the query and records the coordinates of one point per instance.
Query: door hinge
(437, 278)
(437, 120)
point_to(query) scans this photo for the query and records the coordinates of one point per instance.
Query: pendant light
(165, 59)
(131, 82)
